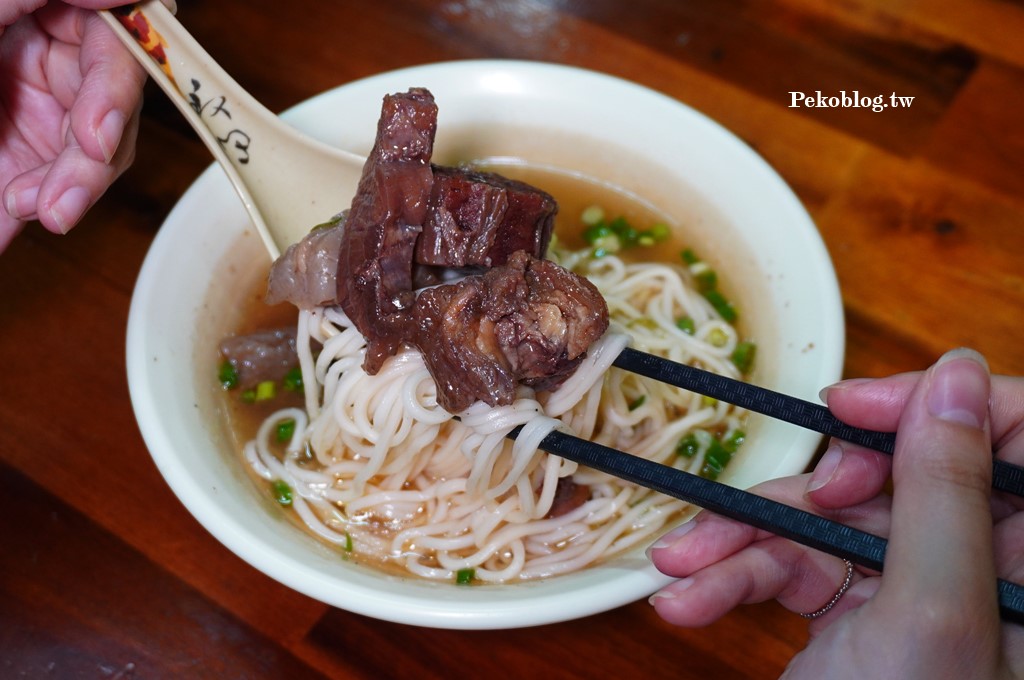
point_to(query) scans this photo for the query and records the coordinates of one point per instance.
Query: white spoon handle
(287, 181)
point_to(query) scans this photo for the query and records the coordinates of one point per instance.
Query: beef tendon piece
(526, 322)
(261, 356)
(375, 259)
(478, 219)
(306, 275)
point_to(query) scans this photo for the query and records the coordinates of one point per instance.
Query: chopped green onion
(733, 441)
(249, 396)
(293, 380)
(329, 224)
(708, 401)
(743, 356)
(706, 277)
(606, 244)
(717, 337)
(710, 472)
(715, 460)
(720, 452)
(464, 577)
(591, 215)
(347, 547)
(638, 402)
(285, 429)
(660, 232)
(686, 325)
(625, 231)
(266, 390)
(721, 305)
(597, 232)
(688, 446)
(707, 282)
(228, 375)
(600, 233)
(282, 492)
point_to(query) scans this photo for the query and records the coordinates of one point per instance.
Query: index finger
(877, 404)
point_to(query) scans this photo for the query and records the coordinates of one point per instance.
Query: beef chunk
(526, 322)
(478, 219)
(460, 348)
(260, 356)
(306, 275)
(375, 260)
(561, 315)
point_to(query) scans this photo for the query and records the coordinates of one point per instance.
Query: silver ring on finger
(835, 598)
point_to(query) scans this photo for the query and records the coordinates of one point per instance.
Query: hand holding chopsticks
(933, 612)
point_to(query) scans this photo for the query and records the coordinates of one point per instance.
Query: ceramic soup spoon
(288, 181)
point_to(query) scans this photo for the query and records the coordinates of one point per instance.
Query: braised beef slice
(375, 261)
(526, 322)
(306, 274)
(261, 356)
(472, 219)
(568, 496)
(478, 219)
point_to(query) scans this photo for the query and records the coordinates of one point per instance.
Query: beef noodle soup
(372, 465)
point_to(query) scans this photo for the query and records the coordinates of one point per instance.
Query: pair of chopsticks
(860, 547)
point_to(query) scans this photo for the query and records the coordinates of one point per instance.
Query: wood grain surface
(104, 574)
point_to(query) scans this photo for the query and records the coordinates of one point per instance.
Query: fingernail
(660, 595)
(841, 385)
(671, 537)
(109, 132)
(11, 204)
(826, 468)
(69, 208)
(959, 388)
(672, 591)
(15, 201)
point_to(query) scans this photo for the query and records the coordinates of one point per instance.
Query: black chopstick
(1005, 476)
(860, 547)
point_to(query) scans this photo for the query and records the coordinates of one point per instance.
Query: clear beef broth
(573, 193)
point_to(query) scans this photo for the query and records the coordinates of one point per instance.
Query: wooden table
(104, 574)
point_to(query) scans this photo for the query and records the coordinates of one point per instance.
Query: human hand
(933, 613)
(70, 96)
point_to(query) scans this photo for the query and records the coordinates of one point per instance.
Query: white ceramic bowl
(738, 210)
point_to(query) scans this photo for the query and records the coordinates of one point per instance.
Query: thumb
(940, 562)
(110, 92)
